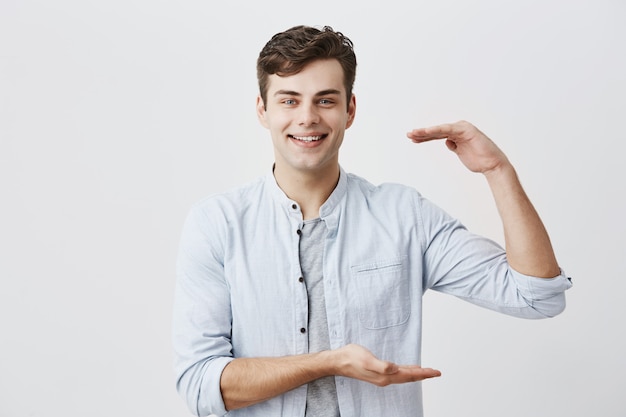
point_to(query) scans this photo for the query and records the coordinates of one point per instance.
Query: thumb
(386, 367)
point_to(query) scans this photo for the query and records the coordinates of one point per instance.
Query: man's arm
(247, 381)
(208, 378)
(528, 246)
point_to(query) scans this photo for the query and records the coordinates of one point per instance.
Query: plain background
(116, 116)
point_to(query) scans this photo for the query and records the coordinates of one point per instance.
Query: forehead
(317, 76)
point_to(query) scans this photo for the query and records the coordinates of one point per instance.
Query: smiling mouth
(308, 138)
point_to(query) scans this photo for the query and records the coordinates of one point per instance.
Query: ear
(351, 111)
(260, 111)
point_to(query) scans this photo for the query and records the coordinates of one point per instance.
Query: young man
(301, 293)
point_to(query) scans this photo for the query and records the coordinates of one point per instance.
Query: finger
(425, 134)
(383, 367)
(441, 131)
(419, 373)
(430, 373)
(438, 131)
(451, 145)
(422, 139)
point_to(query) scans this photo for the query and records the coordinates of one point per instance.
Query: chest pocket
(382, 290)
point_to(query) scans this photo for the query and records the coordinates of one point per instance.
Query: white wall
(115, 116)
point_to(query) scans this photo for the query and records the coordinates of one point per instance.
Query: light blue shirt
(239, 292)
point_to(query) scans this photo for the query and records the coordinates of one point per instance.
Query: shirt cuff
(541, 288)
(211, 401)
(545, 295)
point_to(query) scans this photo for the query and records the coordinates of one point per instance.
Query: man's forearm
(247, 381)
(528, 246)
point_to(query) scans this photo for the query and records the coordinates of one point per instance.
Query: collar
(328, 212)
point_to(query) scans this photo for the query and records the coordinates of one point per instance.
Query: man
(301, 293)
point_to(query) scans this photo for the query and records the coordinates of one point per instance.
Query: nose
(308, 115)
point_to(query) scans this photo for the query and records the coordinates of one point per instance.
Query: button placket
(302, 330)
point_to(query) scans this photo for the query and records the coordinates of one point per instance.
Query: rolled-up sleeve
(475, 269)
(544, 295)
(201, 324)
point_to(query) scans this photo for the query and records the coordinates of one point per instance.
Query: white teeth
(307, 138)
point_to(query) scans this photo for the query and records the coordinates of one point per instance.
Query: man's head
(306, 100)
(288, 52)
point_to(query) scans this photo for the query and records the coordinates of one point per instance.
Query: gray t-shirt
(321, 398)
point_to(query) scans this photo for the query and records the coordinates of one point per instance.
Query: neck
(309, 189)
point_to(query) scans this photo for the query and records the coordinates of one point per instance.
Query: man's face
(307, 115)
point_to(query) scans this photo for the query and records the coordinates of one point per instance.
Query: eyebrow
(327, 92)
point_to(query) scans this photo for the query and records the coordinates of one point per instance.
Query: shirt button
(303, 330)
(301, 279)
(293, 206)
(299, 232)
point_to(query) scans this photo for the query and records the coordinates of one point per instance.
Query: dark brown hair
(288, 52)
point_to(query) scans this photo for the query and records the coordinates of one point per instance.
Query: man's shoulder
(386, 189)
(238, 196)
(392, 200)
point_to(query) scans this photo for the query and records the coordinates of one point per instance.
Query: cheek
(277, 121)
(341, 121)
